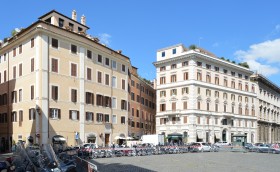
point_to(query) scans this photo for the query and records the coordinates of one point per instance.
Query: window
(246, 87)
(199, 64)
(198, 105)
(185, 90)
(54, 65)
(208, 106)
(240, 98)
(88, 73)
(225, 83)
(225, 108)
(217, 80)
(107, 118)
(20, 70)
(208, 92)
(162, 68)
(240, 86)
(71, 26)
(216, 121)
(163, 54)
(99, 100)
(89, 98)
(19, 95)
(217, 94)
(54, 113)
(73, 49)
(14, 117)
(246, 77)
(32, 92)
(163, 120)
(123, 68)
(239, 75)
(54, 43)
(232, 109)
(123, 120)
(89, 54)
(74, 95)
(186, 76)
(32, 114)
(14, 52)
(32, 42)
(225, 71)
(208, 78)
(32, 65)
(232, 73)
(216, 107)
(20, 49)
(225, 95)
(89, 116)
(14, 72)
(173, 106)
(20, 115)
(162, 107)
(198, 119)
(198, 90)
(162, 93)
(217, 69)
(114, 119)
(185, 105)
(232, 97)
(74, 115)
(114, 102)
(162, 80)
(123, 105)
(99, 77)
(173, 92)
(123, 84)
(80, 29)
(14, 96)
(137, 113)
(114, 80)
(114, 64)
(173, 78)
(173, 66)
(132, 96)
(185, 63)
(107, 79)
(233, 84)
(73, 69)
(208, 66)
(240, 110)
(174, 51)
(60, 22)
(107, 61)
(54, 92)
(199, 78)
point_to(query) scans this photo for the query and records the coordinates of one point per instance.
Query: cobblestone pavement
(193, 162)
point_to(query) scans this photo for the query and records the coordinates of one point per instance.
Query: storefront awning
(174, 137)
(57, 139)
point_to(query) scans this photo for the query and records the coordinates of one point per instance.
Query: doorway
(107, 139)
(224, 135)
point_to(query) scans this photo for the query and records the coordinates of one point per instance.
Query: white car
(222, 143)
(200, 147)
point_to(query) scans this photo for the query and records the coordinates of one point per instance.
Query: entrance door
(224, 136)
(107, 139)
(91, 139)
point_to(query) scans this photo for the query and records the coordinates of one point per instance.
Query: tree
(233, 62)
(244, 64)
(222, 58)
(14, 32)
(192, 47)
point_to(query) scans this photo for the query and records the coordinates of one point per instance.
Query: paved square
(193, 162)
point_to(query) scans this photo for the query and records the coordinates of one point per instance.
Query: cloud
(277, 28)
(105, 38)
(262, 57)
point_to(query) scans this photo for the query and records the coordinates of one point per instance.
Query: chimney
(74, 15)
(83, 20)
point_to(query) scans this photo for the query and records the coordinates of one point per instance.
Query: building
(203, 98)
(141, 118)
(55, 79)
(268, 110)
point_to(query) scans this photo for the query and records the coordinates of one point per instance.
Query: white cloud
(105, 38)
(262, 57)
(216, 44)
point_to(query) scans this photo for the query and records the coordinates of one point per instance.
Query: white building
(203, 98)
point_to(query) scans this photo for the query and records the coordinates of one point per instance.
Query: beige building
(141, 118)
(268, 107)
(203, 98)
(55, 79)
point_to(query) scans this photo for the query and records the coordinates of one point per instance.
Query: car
(222, 143)
(249, 146)
(263, 148)
(87, 149)
(200, 147)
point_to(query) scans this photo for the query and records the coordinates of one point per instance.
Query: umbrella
(129, 138)
(119, 137)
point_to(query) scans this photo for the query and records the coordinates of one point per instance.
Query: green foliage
(192, 47)
(228, 60)
(233, 62)
(14, 32)
(244, 64)
(222, 58)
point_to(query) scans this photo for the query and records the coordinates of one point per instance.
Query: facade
(268, 110)
(55, 79)
(203, 98)
(141, 118)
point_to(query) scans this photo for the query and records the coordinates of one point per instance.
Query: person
(113, 145)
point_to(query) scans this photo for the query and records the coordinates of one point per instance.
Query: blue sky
(239, 30)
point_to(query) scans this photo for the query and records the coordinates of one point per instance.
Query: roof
(266, 81)
(173, 46)
(54, 11)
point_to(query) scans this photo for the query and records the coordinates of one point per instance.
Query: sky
(239, 30)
